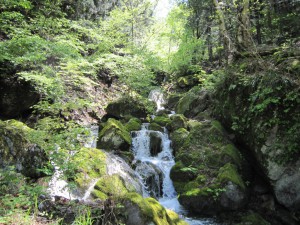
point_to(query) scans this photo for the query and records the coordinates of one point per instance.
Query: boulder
(134, 124)
(207, 174)
(114, 136)
(18, 150)
(17, 96)
(148, 211)
(178, 137)
(154, 126)
(162, 120)
(130, 107)
(177, 121)
(195, 101)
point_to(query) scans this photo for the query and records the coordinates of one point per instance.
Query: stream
(154, 165)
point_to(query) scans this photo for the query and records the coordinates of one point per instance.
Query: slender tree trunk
(228, 45)
(244, 39)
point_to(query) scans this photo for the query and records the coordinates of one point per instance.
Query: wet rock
(177, 121)
(17, 149)
(155, 143)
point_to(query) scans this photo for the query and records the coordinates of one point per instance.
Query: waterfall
(158, 97)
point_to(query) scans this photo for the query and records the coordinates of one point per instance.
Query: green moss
(121, 130)
(178, 138)
(173, 218)
(229, 173)
(233, 153)
(185, 103)
(253, 219)
(162, 120)
(216, 124)
(111, 186)
(133, 124)
(90, 164)
(156, 127)
(153, 211)
(177, 121)
(192, 123)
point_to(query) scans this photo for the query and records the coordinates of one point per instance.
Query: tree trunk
(228, 45)
(244, 39)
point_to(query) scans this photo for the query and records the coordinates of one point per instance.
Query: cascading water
(153, 164)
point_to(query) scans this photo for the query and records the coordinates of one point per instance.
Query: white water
(158, 97)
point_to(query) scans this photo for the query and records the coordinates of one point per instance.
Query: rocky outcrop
(17, 96)
(263, 113)
(207, 174)
(17, 149)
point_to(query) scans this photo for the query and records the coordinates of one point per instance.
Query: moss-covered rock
(114, 136)
(17, 148)
(110, 186)
(178, 138)
(193, 102)
(162, 120)
(262, 110)
(90, 165)
(206, 175)
(130, 106)
(172, 100)
(148, 211)
(155, 127)
(177, 121)
(133, 124)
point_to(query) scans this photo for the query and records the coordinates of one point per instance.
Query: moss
(114, 136)
(162, 120)
(173, 218)
(253, 219)
(90, 164)
(216, 124)
(229, 173)
(111, 185)
(177, 121)
(193, 123)
(178, 137)
(233, 153)
(152, 210)
(133, 124)
(186, 102)
(156, 127)
(121, 130)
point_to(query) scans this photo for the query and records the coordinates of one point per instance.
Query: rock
(178, 138)
(193, 102)
(155, 127)
(148, 211)
(17, 149)
(162, 120)
(177, 121)
(172, 100)
(253, 219)
(207, 172)
(130, 107)
(134, 124)
(266, 120)
(114, 136)
(155, 143)
(152, 177)
(12, 103)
